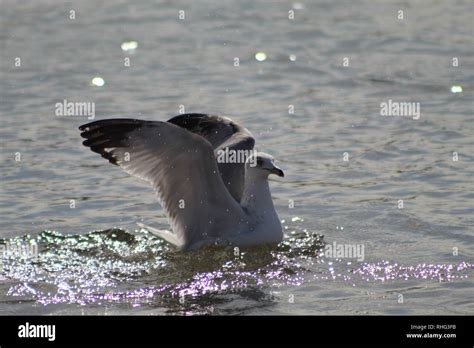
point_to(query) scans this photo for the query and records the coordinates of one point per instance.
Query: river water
(401, 188)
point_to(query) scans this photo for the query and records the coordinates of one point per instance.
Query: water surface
(93, 259)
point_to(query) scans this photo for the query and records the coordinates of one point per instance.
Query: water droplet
(292, 57)
(98, 81)
(260, 56)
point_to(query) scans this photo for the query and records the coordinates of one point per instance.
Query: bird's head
(264, 163)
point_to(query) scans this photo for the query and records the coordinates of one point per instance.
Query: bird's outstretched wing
(180, 166)
(222, 133)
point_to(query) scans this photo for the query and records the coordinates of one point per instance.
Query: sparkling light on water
(129, 45)
(94, 269)
(98, 81)
(260, 56)
(115, 266)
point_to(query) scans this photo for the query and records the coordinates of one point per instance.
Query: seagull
(209, 198)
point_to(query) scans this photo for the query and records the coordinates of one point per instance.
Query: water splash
(115, 267)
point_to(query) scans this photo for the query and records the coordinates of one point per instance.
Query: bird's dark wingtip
(110, 133)
(87, 125)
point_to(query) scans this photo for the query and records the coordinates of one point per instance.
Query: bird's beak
(277, 171)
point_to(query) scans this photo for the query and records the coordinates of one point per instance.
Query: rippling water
(93, 259)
